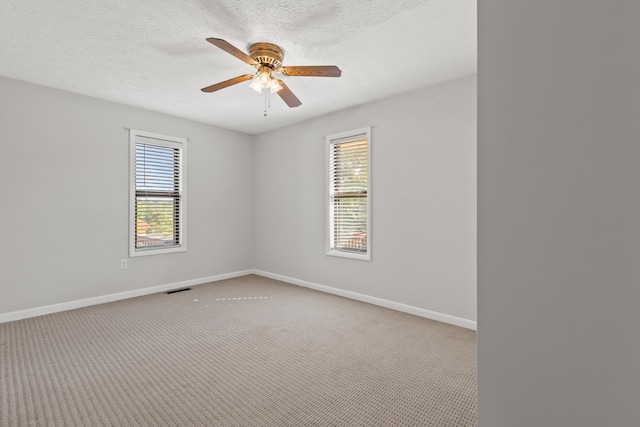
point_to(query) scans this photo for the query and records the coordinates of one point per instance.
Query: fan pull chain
(267, 101)
(266, 93)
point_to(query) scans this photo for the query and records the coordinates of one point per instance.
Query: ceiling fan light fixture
(275, 85)
(255, 85)
(264, 80)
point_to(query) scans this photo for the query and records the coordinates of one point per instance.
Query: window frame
(163, 141)
(330, 140)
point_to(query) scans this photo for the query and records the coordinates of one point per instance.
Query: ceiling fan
(267, 58)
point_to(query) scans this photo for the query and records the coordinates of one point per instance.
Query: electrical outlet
(123, 264)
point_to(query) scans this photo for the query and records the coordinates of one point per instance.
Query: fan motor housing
(267, 54)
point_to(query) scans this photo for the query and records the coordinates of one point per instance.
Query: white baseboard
(54, 308)
(433, 315)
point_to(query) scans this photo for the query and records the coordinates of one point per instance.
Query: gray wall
(65, 211)
(559, 213)
(423, 200)
(64, 166)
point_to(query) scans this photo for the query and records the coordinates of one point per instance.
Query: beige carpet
(242, 352)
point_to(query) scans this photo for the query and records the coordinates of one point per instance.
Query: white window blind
(158, 197)
(349, 199)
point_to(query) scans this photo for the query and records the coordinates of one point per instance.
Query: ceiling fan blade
(312, 71)
(229, 48)
(227, 83)
(287, 96)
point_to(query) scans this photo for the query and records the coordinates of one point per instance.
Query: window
(348, 194)
(158, 196)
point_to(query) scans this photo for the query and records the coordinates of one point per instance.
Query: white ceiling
(153, 54)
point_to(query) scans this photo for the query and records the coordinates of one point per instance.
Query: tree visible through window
(158, 197)
(349, 199)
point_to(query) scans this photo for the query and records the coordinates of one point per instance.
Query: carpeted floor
(246, 352)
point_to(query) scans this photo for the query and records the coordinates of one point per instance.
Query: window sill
(351, 255)
(160, 251)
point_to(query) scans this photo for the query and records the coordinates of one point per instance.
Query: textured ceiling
(153, 54)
